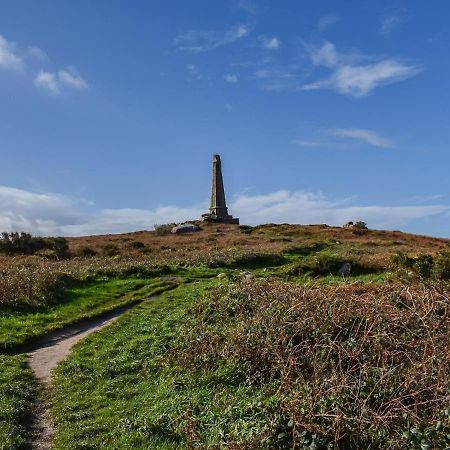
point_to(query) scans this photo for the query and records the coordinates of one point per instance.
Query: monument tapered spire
(218, 211)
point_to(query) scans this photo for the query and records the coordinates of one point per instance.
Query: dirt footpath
(46, 355)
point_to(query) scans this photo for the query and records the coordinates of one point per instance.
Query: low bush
(164, 229)
(136, 245)
(246, 229)
(26, 244)
(424, 267)
(110, 250)
(86, 252)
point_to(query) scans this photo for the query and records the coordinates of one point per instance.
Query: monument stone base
(220, 219)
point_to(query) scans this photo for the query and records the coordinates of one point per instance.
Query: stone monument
(218, 211)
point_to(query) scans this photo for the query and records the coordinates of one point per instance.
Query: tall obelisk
(218, 211)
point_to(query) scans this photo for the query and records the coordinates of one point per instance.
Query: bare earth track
(47, 354)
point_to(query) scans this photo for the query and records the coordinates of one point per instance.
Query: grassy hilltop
(257, 341)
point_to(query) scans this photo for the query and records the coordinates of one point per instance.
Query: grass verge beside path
(17, 384)
(115, 391)
(17, 392)
(84, 301)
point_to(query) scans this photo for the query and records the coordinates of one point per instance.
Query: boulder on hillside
(185, 228)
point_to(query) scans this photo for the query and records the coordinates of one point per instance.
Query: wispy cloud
(32, 57)
(305, 143)
(326, 21)
(365, 136)
(37, 53)
(55, 82)
(356, 80)
(197, 41)
(231, 78)
(193, 72)
(55, 214)
(9, 58)
(277, 78)
(389, 23)
(310, 207)
(249, 6)
(270, 43)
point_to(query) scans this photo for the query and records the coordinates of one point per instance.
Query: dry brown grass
(354, 366)
(30, 277)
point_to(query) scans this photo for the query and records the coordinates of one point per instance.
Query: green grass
(17, 391)
(117, 390)
(86, 300)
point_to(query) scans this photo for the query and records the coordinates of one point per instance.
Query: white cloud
(326, 21)
(47, 81)
(55, 83)
(326, 55)
(231, 78)
(308, 207)
(193, 72)
(9, 59)
(303, 143)
(273, 43)
(54, 214)
(277, 79)
(365, 136)
(37, 53)
(248, 6)
(388, 24)
(356, 80)
(196, 41)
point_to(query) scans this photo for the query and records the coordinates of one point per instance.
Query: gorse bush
(351, 367)
(424, 267)
(26, 244)
(164, 229)
(86, 252)
(110, 250)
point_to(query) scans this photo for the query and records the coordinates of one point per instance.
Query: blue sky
(322, 111)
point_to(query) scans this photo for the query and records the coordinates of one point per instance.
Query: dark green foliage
(110, 250)
(361, 225)
(86, 252)
(442, 265)
(246, 229)
(26, 244)
(164, 229)
(137, 245)
(423, 266)
(255, 261)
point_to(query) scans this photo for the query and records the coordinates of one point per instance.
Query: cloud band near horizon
(56, 214)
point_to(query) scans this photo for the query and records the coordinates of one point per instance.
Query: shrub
(246, 229)
(136, 245)
(110, 250)
(26, 244)
(164, 229)
(361, 225)
(86, 252)
(441, 269)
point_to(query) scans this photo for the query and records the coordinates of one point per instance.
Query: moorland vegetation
(257, 341)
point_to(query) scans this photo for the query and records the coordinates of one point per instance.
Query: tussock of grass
(17, 390)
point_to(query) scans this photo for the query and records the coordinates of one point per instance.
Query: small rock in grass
(345, 270)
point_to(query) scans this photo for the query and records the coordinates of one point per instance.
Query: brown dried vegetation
(34, 278)
(353, 366)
